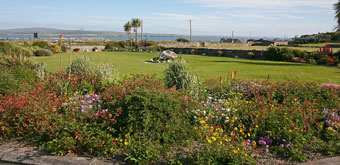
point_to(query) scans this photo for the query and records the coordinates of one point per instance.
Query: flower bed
(222, 122)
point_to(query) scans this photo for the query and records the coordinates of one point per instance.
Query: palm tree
(136, 23)
(337, 15)
(127, 29)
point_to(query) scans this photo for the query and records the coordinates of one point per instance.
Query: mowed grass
(205, 67)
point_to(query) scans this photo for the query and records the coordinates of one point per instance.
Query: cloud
(97, 17)
(263, 3)
(177, 16)
(257, 16)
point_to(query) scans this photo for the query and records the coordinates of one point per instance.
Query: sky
(271, 18)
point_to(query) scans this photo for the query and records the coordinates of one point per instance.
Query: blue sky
(209, 17)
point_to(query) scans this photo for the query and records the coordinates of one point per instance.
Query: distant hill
(50, 32)
(56, 32)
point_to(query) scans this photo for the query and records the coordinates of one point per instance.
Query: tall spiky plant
(136, 23)
(127, 29)
(337, 15)
(178, 75)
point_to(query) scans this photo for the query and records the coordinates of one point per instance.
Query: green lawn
(205, 67)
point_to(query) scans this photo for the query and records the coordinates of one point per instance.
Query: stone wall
(88, 48)
(199, 44)
(220, 52)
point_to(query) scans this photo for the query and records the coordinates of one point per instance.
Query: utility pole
(232, 37)
(190, 31)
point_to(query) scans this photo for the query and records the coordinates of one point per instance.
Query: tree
(127, 29)
(136, 23)
(337, 15)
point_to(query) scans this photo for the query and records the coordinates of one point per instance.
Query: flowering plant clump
(332, 118)
(228, 121)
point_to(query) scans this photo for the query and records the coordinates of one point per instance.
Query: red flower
(77, 134)
(17, 115)
(317, 123)
(113, 119)
(235, 72)
(110, 115)
(117, 114)
(113, 141)
(292, 124)
(24, 125)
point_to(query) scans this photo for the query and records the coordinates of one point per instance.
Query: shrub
(64, 48)
(55, 48)
(5, 47)
(113, 45)
(299, 53)
(16, 56)
(41, 44)
(177, 75)
(108, 73)
(286, 54)
(12, 79)
(43, 52)
(182, 40)
(273, 53)
(147, 43)
(81, 65)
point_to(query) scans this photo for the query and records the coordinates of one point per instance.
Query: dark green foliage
(299, 53)
(41, 44)
(113, 45)
(42, 52)
(182, 40)
(64, 48)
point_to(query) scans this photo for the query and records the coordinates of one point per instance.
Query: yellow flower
(202, 121)
(220, 142)
(126, 143)
(235, 128)
(290, 131)
(235, 151)
(248, 134)
(330, 128)
(213, 138)
(257, 126)
(121, 140)
(209, 141)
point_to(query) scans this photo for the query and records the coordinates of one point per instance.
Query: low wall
(198, 44)
(88, 48)
(219, 52)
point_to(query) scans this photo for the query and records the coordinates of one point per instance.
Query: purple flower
(281, 145)
(82, 110)
(90, 106)
(266, 150)
(83, 106)
(288, 145)
(284, 140)
(262, 142)
(66, 104)
(267, 146)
